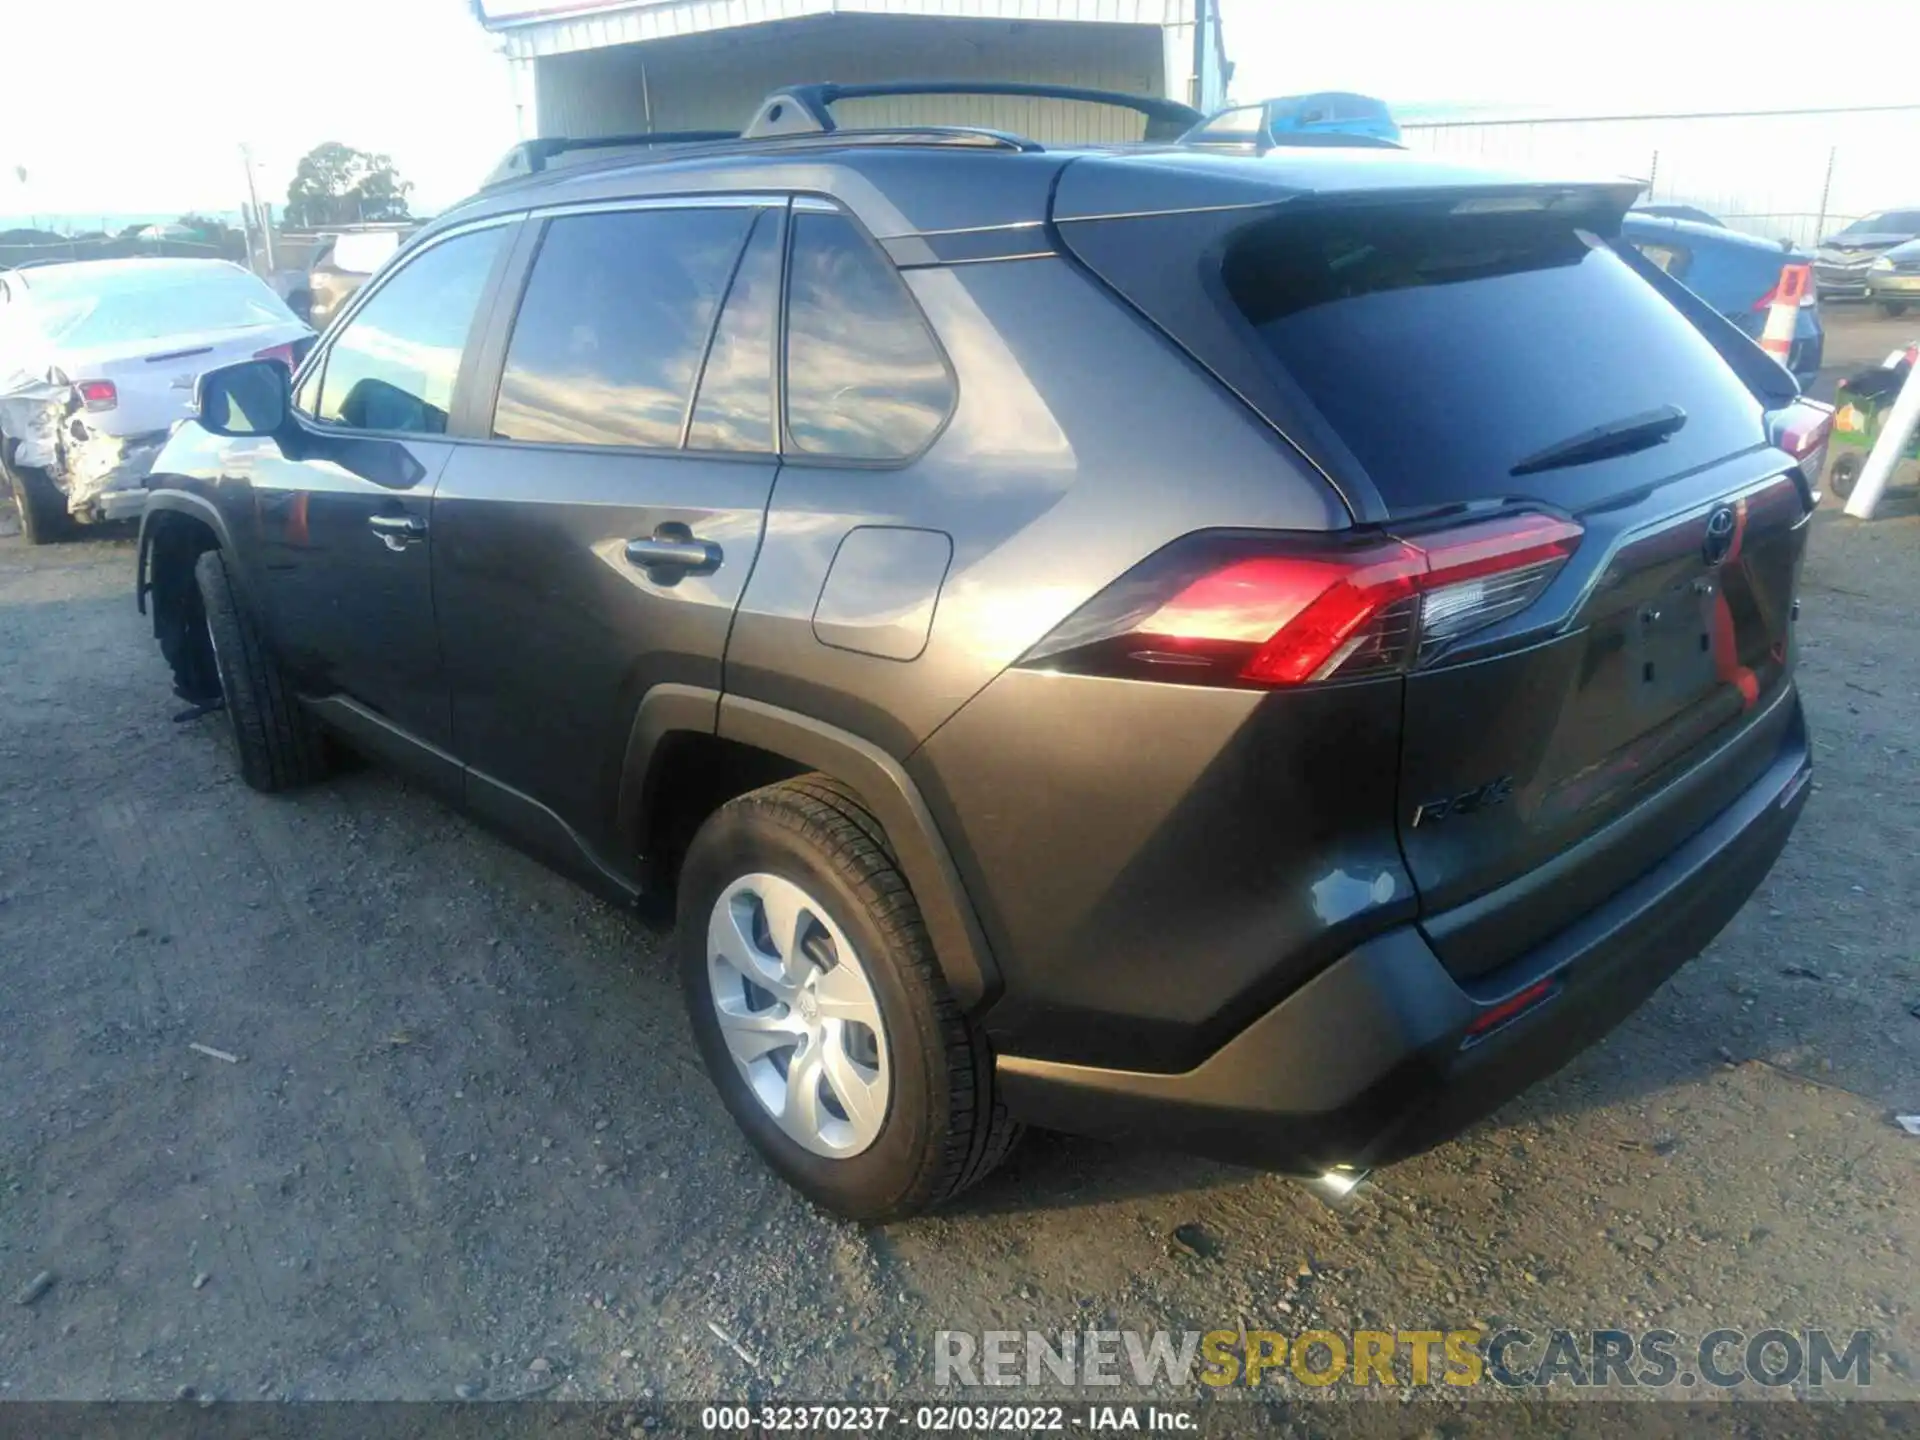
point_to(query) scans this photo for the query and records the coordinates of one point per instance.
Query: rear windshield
(106, 308)
(1445, 348)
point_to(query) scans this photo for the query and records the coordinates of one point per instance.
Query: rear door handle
(671, 552)
(397, 531)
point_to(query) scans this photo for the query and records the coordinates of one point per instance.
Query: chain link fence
(1784, 174)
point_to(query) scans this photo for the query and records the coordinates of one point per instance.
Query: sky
(1571, 57)
(143, 109)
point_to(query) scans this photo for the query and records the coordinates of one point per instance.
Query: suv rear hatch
(1447, 352)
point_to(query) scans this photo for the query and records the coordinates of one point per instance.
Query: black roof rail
(808, 109)
(803, 113)
(530, 157)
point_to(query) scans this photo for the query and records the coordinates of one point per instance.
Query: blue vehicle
(1736, 274)
(1330, 117)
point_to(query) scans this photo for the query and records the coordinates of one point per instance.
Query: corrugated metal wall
(716, 80)
(1766, 174)
(662, 19)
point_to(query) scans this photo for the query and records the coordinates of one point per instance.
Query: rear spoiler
(808, 109)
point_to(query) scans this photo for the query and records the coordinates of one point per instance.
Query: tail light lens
(1231, 608)
(98, 394)
(283, 353)
(1802, 429)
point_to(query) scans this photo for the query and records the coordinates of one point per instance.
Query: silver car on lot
(1844, 263)
(98, 360)
(1893, 280)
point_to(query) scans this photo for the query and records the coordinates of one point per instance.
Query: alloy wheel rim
(798, 1015)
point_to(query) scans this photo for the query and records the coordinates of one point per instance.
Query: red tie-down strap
(1726, 648)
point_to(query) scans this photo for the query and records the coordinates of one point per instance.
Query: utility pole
(1826, 192)
(264, 220)
(1200, 54)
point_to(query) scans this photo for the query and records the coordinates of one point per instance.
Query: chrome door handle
(396, 532)
(666, 556)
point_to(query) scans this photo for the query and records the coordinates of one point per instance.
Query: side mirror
(251, 398)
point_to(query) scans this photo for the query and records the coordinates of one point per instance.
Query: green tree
(335, 184)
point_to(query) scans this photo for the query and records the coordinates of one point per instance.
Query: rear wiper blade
(1616, 437)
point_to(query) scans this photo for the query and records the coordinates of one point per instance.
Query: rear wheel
(1845, 474)
(278, 744)
(43, 509)
(820, 1010)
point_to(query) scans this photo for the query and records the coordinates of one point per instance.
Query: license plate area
(1670, 658)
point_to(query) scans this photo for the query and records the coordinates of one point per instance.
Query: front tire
(278, 745)
(1893, 309)
(821, 1012)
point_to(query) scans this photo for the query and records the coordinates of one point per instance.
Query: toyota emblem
(1720, 527)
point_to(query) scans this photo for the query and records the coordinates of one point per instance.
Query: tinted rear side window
(865, 379)
(613, 325)
(1444, 348)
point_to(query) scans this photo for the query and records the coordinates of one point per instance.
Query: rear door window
(1444, 348)
(735, 407)
(613, 326)
(393, 367)
(865, 378)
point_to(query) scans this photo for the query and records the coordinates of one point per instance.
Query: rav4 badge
(1483, 797)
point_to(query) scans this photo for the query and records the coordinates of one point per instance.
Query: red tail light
(1803, 427)
(98, 394)
(1227, 608)
(283, 353)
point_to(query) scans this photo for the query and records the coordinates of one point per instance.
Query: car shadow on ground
(1052, 1171)
(68, 534)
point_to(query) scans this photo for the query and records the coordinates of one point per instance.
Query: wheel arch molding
(166, 503)
(876, 777)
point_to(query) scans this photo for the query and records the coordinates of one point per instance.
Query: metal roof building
(607, 67)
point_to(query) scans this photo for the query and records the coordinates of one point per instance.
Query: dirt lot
(467, 1146)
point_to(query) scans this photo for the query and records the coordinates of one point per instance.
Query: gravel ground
(458, 1141)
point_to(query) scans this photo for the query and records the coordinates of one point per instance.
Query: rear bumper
(1372, 1060)
(107, 474)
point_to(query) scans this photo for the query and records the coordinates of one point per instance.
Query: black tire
(1845, 473)
(1893, 309)
(278, 744)
(945, 1127)
(43, 509)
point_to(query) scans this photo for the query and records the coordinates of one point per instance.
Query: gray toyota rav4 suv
(1269, 654)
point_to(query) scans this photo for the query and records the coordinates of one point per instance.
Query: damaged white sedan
(98, 361)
